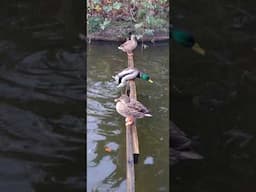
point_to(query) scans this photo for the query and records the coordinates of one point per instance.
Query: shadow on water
(42, 103)
(215, 101)
(106, 171)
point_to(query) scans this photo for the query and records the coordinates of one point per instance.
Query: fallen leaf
(108, 149)
(98, 8)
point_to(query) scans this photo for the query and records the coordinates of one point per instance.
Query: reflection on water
(105, 127)
(41, 122)
(41, 109)
(215, 104)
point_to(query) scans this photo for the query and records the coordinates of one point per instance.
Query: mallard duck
(131, 109)
(186, 39)
(129, 45)
(128, 74)
(181, 146)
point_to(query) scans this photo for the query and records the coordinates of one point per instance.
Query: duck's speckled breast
(122, 109)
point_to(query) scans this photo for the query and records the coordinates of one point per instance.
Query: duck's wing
(130, 76)
(125, 44)
(127, 71)
(127, 110)
(136, 105)
(119, 75)
(126, 74)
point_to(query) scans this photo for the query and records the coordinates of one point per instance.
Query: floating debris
(107, 149)
(149, 161)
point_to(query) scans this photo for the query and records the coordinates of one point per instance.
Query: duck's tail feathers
(116, 78)
(148, 115)
(121, 85)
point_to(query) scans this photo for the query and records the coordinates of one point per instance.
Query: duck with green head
(129, 74)
(186, 39)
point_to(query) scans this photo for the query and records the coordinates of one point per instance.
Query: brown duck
(129, 45)
(131, 109)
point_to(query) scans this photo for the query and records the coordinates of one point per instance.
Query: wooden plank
(135, 140)
(133, 95)
(130, 175)
(132, 143)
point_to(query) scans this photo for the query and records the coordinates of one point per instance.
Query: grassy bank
(113, 20)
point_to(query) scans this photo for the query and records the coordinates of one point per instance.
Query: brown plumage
(131, 109)
(129, 45)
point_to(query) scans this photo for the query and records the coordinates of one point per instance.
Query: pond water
(106, 171)
(215, 101)
(42, 72)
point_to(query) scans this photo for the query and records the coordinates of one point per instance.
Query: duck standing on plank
(186, 39)
(128, 74)
(129, 45)
(131, 109)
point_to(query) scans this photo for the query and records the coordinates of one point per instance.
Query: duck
(129, 74)
(131, 109)
(181, 146)
(129, 45)
(186, 39)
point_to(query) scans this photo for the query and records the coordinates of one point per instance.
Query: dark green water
(42, 129)
(215, 104)
(105, 127)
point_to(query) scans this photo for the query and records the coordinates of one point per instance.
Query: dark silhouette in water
(185, 39)
(181, 146)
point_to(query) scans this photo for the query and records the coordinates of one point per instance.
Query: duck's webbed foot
(129, 121)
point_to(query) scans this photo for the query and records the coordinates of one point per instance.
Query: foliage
(93, 23)
(146, 16)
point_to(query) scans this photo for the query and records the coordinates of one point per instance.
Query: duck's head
(186, 39)
(123, 99)
(133, 37)
(145, 77)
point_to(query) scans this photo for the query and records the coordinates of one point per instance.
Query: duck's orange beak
(150, 81)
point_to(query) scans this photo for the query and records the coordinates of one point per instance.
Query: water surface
(215, 104)
(105, 127)
(42, 104)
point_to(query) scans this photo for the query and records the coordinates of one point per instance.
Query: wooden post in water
(132, 143)
(130, 174)
(133, 95)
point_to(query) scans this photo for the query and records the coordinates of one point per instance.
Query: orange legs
(130, 54)
(129, 120)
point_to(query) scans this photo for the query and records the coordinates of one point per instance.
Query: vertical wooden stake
(132, 143)
(133, 95)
